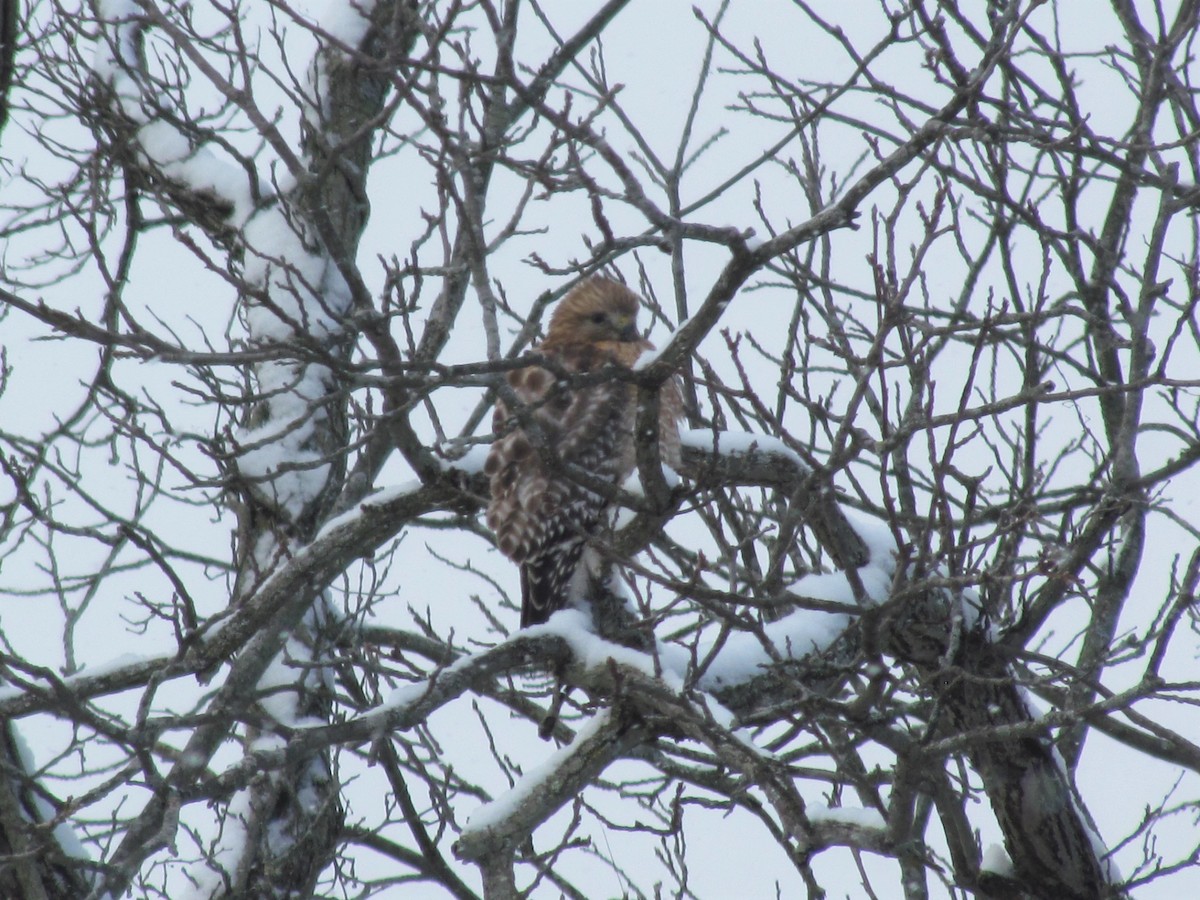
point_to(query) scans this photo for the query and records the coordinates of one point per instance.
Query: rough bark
(34, 865)
(296, 815)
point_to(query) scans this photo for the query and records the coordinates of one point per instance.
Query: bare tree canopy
(914, 615)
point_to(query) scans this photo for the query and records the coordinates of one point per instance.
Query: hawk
(542, 517)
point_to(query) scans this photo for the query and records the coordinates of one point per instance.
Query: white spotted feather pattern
(541, 515)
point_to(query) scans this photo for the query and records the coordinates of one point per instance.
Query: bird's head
(595, 311)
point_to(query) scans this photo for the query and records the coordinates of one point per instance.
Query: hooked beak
(630, 332)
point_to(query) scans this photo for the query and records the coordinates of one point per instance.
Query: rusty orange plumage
(542, 517)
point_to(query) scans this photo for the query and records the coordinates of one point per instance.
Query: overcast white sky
(653, 49)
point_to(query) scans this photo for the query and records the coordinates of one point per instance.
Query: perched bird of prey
(542, 516)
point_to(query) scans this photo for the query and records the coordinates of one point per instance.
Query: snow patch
(117, 46)
(492, 815)
(224, 858)
(166, 148)
(406, 696)
(878, 537)
(745, 655)
(593, 651)
(381, 497)
(305, 294)
(471, 462)
(278, 259)
(996, 859)
(859, 817)
(64, 834)
(348, 22)
(741, 443)
(115, 61)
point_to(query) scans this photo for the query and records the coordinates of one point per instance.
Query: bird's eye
(598, 318)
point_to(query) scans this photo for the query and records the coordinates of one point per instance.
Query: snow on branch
(505, 821)
(164, 148)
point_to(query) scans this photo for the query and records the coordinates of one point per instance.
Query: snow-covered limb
(997, 860)
(296, 264)
(164, 148)
(292, 580)
(26, 832)
(740, 443)
(745, 656)
(659, 703)
(293, 288)
(220, 866)
(565, 643)
(499, 826)
(299, 294)
(849, 826)
(933, 627)
(355, 518)
(736, 458)
(369, 524)
(410, 706)
(857, 816)
(496, 829)
(591, 652)
(36, 689)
